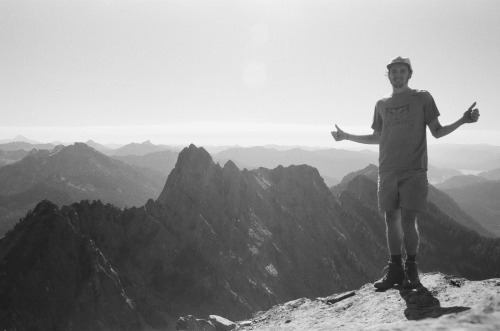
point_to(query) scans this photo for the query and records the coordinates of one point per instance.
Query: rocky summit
(445, 303)
(219, 241)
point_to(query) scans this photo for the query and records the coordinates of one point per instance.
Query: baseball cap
(400, 59)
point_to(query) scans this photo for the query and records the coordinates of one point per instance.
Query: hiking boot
(394, 276)
(411, 279)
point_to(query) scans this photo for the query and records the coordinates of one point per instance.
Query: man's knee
(409, 219)
(392, 216)
(393, 222)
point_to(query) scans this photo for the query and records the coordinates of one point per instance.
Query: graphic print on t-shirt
(398, 116)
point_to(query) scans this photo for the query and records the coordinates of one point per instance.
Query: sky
(239, 72)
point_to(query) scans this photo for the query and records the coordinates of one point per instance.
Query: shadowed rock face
(55, 278)
(266, 235)
(217, 241)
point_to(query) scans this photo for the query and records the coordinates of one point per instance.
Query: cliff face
(218, 240)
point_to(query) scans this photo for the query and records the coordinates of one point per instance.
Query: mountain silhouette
(143, 148)
(98, 147)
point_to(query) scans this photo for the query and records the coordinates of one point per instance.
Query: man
(399, 127)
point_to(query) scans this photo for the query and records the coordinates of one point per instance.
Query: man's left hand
(471, 115)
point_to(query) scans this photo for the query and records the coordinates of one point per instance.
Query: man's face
(399, 75)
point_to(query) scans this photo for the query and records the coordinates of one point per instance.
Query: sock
(396, 259)
(411, 257)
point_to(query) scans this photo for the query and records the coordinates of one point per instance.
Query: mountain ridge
(225, 241)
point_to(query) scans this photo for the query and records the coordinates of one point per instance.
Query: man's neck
(400, 90)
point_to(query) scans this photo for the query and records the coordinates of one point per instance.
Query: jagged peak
(194, 155)
(56, 150)
(193, 165)
(302, 171)
(78, 149)
(37, 152)
(45, 206)
(80, 145)
(231, 167)
(370, 171)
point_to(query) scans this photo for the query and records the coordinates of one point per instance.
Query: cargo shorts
(403, 189)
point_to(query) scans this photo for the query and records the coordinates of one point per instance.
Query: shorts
(403, 189)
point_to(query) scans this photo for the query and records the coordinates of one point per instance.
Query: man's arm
(470, 116)
(340, 135)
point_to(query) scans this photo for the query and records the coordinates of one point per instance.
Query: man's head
(403, 60)
(399, 71)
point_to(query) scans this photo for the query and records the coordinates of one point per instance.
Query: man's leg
(410, 231)
(394, 231)
(395, 272)
(411, 241)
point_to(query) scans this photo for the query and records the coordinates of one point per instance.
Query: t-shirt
(401, 119)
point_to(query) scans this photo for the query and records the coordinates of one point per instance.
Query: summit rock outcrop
(446, 303)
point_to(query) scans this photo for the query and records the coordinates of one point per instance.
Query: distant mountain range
(217, 240)
(72, 173)
(333, 164)
(465, 157)
(19, 138)
(445, 159)
(15, 146)
(138, 149)
(478, 196)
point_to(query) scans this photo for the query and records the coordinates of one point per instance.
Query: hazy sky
(238, 71)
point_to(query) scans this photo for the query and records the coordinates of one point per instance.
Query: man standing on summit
(399, 127)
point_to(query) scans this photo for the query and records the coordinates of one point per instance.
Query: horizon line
(223, 134)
